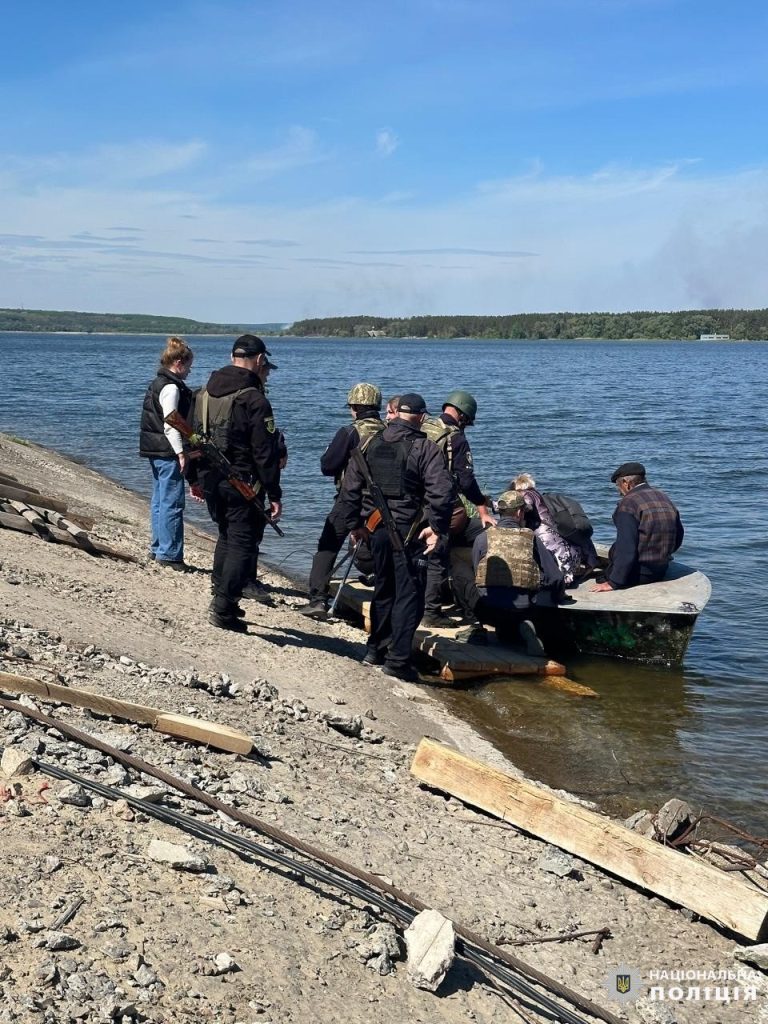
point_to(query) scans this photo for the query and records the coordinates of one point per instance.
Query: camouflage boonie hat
(365, 394)
(510, 500)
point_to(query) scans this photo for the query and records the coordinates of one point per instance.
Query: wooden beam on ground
(12, 481)
(32, 498)
(214, 735)
(92, 547)
(729, 901)
(223, 737)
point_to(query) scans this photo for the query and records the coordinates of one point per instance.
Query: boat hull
(652, 638)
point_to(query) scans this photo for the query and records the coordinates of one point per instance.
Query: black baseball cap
(628, 469)
(412, 403)
(248, 345)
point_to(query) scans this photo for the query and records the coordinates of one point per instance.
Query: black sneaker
(256, 592)
(436, 620)
(237, 611)
(473, 635)
(407, 673)
(230, 622)
(373, 657)
(534, 648)
(176, 566)
(315, 610)
(367, 580)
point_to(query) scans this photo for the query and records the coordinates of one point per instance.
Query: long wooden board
(457, 660)
(717, 895)
(16, 521)
(221, 736)
(32, 498)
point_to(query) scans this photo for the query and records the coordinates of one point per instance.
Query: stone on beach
(15, 762)
(178, 857)
(430, 941)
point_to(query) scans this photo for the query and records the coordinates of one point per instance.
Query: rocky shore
(96, 925)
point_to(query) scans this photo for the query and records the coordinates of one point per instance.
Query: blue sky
(266, 160)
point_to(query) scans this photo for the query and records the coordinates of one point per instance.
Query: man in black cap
(234, 411)
(415, 482)
(648, 530)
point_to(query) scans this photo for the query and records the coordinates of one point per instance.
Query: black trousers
(331, 540)
(439, 569)
(505, 620)
(398, 600)
(241, 526)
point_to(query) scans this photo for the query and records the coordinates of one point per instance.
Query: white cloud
(134, 161)
(299, 150)
(386, 142)
(616, 238)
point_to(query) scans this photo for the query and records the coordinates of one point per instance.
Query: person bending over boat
(511, 565)
(576, 555)
(648, 531)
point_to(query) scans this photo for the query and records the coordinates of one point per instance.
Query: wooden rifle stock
(219, 461)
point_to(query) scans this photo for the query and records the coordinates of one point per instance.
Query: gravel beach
(227, 938)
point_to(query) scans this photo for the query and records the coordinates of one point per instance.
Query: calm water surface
(569, 412)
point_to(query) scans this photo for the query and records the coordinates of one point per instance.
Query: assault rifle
(380, 503)
(217, 460)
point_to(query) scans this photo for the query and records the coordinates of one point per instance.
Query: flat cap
(412, 403)
(510, 500)
(628, 469)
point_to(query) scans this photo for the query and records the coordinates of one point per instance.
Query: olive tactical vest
(366, 429)
(213, 416)
(509, 561)
(441, 433)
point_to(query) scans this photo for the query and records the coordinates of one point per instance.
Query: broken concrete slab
(431, 942)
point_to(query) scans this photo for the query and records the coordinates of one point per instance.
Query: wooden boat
(652, 623)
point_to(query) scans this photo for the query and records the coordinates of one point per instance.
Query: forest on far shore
(749, 324)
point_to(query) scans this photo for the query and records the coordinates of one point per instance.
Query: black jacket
(334, 459)
(153, 444)
(429, 485)
(463, 468)
(254, 441)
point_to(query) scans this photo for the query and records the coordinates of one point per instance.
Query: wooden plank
(92, 547)
(220, 736)
(30, 515)
(32, 498)
(457, 660)
(182, 726)
(80, 698)
(6, 478)
(719, 896)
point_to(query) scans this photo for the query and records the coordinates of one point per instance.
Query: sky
(248, 161)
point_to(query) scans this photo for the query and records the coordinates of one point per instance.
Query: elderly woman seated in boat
(561, 525)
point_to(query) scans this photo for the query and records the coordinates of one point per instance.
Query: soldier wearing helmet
(447, 431)
(364, 401)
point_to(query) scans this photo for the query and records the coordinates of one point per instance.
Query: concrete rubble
(431, 941)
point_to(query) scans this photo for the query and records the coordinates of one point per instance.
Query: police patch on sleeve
(269, 423)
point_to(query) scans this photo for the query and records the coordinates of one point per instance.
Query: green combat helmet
(464, 402)
(365, 394)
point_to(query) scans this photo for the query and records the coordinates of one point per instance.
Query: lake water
(569, 412)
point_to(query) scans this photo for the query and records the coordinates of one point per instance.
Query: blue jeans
(167, 510)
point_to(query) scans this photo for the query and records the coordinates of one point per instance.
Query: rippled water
(569, 412)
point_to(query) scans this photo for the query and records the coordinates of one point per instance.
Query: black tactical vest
(387, 464)
(153, 444)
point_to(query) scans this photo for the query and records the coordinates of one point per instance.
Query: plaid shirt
(648, 530)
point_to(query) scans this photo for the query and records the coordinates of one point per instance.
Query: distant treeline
(41, 320)
(737, 323)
